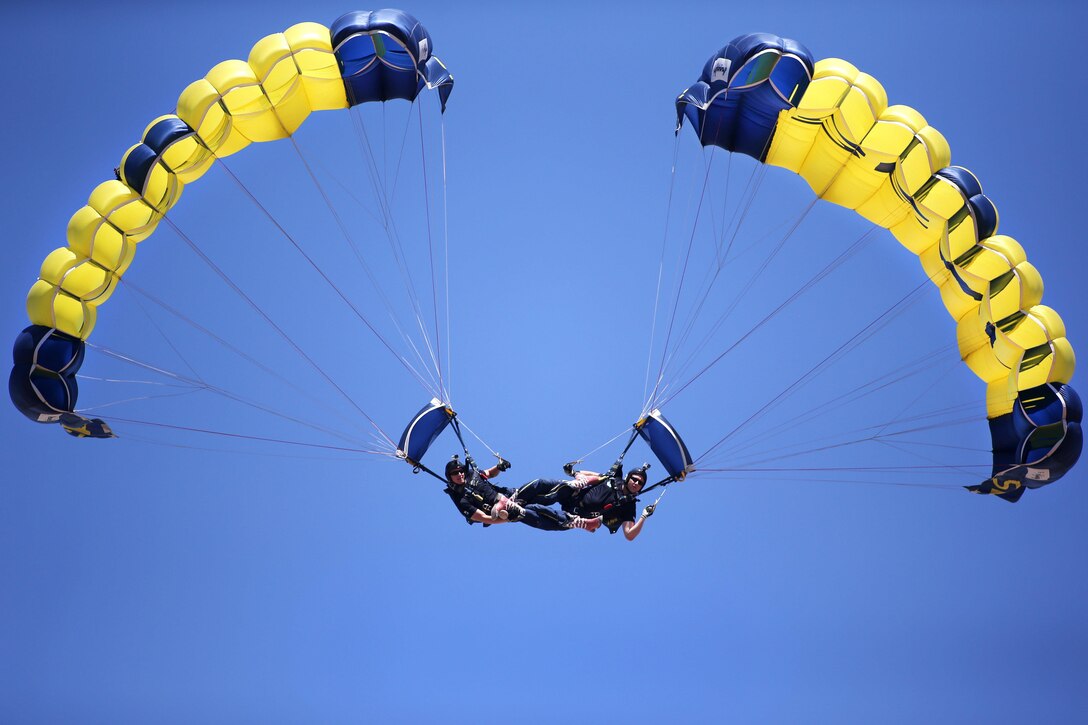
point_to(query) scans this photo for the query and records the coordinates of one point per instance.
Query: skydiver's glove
(503, 464)
(649, 511)
(568, 468)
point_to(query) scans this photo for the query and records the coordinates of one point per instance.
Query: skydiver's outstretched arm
(631, 529)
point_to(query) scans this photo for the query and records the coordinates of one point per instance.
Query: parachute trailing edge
(365, 57)
(829, 122)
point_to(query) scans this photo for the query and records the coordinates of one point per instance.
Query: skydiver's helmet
(454, 466)
(640, 472)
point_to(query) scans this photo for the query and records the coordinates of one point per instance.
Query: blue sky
(176, 577)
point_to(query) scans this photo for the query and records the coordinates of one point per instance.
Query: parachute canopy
(763, 96)
(365, 57)
(666, 444)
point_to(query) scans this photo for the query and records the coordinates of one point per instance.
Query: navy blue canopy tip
(80, 427)
(42, 384)
(422, 430)
(1035, 444)
(666, 444)
(743, 87)
(386, 54)
(140, 161)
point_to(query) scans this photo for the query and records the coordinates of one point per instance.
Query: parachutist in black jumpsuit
(590, 495)
(476, 497)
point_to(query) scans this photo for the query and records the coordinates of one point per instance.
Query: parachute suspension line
(741, 213)
(942, 413)
(679, 289)
(384, 221)
(722, 258)
(437, 357)
(393, 237)
(811, 372)
(219, 391)
(758, 458)
(238, 451)
(608, 442)
(771, 315)
(446, 266)
(244, 436)
(970, 469)
(336, 216)
(833, 265)
(168, 341)
(745, 476)
(355, 248)
(646, 407)
(128, 284)
(128, 381)
(743, 293)
(918, 365)
(473, 433)
(93, 409)
(375, 216)
(898, 416)
(900, 374)
(891, 469)
(264, 315)
(752, 187)
(317, 268)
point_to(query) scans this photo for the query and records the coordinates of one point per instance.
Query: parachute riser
(663, 482)
(417, 467)
(630, 442)
(457, 432)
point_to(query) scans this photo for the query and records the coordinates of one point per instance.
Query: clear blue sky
(167, 577)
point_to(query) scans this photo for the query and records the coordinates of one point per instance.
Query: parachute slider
(666, 444)
(422, 430)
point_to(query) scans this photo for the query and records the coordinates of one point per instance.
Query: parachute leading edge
(666, 444)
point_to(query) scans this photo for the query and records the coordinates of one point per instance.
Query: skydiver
(479, 501)
(594, 497)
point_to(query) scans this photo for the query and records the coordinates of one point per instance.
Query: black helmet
(454, 466)
(640, 472)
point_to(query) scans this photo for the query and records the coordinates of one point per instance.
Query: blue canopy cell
(386, 54)
(743, 87)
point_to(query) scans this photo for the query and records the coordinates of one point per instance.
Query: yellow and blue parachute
(363, 57)
(829, 122)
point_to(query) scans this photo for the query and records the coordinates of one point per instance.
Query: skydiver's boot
(589, 525)
(507, 509)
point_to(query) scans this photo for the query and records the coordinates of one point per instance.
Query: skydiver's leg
(544, 518)
(545, 491)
